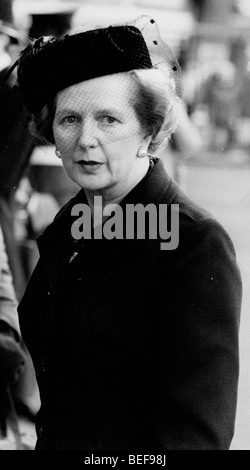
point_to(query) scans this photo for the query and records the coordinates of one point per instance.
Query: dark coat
(136, 347)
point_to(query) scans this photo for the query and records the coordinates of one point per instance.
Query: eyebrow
(108, 111)
(67, 111)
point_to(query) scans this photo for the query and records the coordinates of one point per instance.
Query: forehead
(111, 90)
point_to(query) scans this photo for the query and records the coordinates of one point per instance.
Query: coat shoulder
(67, 206)
(198, 222)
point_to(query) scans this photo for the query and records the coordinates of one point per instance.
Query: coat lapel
(53, 244)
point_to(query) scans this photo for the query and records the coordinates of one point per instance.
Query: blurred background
(209, 156)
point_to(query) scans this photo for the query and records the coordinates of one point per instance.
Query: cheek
(58, 136)
(128, 150)
(64, 140)
(114, 154)
(124, 149)
(120, 158)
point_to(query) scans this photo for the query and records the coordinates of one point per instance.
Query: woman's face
(98, 134)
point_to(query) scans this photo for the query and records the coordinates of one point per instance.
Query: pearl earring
(142, 153)
(57, 152)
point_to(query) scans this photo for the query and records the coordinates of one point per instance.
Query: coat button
(40, 432)
(43, 369)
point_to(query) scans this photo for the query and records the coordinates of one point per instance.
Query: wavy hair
(156, 106)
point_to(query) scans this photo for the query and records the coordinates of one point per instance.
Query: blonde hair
(156, 105)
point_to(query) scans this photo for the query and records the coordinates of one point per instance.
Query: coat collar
(153, 188)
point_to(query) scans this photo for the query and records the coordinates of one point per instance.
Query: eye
(109, 119)
(70, 119)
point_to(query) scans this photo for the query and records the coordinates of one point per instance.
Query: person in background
(220, 94)
(16, 143)
(13, 357)
(16, 146)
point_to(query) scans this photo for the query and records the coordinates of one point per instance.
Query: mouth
(89, 165)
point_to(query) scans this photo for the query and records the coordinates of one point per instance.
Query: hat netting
(101, 87)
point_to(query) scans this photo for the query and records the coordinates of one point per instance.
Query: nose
(88, 135)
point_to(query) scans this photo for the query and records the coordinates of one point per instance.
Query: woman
(135, 343)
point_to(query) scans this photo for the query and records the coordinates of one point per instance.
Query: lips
(89, 165)
(89, 162)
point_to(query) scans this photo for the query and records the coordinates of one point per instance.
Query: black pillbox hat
(49, 65)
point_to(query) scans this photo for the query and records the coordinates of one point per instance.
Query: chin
(91, 183)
